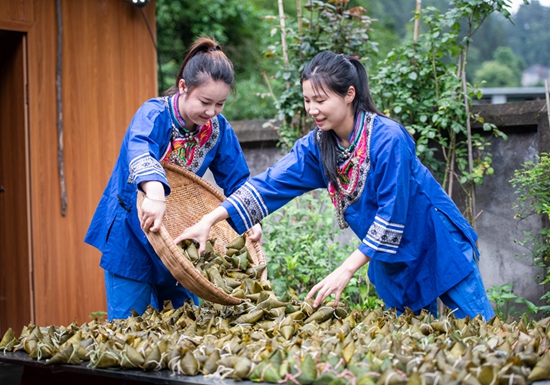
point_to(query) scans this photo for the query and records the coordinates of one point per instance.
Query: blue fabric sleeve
(296, 173)
(392, 152)
(229, 167)
(147, 137)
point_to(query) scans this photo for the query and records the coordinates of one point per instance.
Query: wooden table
(37, 372)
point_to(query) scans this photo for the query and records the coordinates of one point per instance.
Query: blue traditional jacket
(390, 200)
(156, 134)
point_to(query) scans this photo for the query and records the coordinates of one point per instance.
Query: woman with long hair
(419, 245)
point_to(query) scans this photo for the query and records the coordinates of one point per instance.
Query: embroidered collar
(353, 139)
(177, 119)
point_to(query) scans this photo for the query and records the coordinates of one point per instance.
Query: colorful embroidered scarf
(184, 144)
(352, 165)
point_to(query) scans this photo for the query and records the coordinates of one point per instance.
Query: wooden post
(547, 100)
(283, 32)
(417, 19)
(470, 151)
(300, 27)
(283, 36)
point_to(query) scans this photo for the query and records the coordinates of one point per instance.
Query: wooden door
(16, 308)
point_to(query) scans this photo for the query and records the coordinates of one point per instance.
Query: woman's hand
(335, 282)
(152, 213)
(153, 206)
(200, 231)
(256, 233)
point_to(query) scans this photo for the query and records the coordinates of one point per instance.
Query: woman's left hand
(153, 206)
(152, 213)
(335, 282)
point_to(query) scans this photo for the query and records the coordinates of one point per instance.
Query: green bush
(325, 25)
(532, 183)
(237, 26)
(420, 84)
(251, 100)
(504, 299)
(496, 74)
(300, 241)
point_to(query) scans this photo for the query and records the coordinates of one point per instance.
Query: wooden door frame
(25, 29)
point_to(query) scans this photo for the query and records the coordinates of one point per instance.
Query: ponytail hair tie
(345, 58)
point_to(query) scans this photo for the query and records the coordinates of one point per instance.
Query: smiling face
(329, 110)
(203, 102)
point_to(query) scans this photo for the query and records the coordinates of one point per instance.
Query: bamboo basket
(191, 197)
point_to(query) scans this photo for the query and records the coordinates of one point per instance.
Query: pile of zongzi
(275, 339)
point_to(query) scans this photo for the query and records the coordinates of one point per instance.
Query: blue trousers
(125, 295)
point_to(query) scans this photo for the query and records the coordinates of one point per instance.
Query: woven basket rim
(195, 178)
(178, 265)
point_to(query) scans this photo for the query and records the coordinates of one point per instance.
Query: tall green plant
(505, 302)
(302, 247)
(532, 184)
(422, 84)
(325, 25)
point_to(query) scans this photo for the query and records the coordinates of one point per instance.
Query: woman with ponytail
(184, 127)
(419, 246)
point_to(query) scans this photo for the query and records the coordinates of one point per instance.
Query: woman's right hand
(198, 232)
(201, 230)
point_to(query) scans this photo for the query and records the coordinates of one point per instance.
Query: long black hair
(337, 73)
(204, 60)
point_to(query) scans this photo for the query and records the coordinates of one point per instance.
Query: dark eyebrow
(316, 96)
(210, 100)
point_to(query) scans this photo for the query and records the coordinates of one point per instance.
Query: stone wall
(526, 124)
